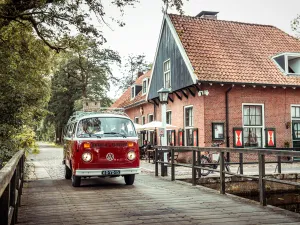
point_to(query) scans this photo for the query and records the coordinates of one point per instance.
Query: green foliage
(84, 72)
(53, 21)
(24, 86)
(295, 24)
(26, 140)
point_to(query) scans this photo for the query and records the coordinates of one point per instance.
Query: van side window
(69, 132)
(74, 129)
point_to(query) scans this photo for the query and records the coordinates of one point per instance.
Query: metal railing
(196, 164)
(11, 184)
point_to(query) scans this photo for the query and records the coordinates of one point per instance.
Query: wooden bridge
(151, 200)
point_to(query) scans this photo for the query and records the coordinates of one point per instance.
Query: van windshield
(105, 127)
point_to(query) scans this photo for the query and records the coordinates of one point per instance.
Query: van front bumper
(108, 172)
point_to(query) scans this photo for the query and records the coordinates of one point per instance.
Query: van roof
(82, 115)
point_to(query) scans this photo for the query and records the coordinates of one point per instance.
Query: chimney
(208, 15)
(140, 73)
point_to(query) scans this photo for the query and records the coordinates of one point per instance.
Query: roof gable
(170, 48)
(125, 101)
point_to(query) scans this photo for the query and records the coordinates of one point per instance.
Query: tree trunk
(58, 134)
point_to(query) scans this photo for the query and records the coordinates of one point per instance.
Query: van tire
(68, 173)
(129, 179)
(76, 181)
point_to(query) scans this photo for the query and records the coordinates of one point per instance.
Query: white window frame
(143, 117)
(149, 117)
(135, 119)
(167, 71)
(286, 55)
(262, 121)
(291, 128)
(184, 118)
(132, 97)
(171, 115)
(145, 79)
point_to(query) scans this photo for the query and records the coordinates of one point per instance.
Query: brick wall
(277, 108)
(207, 109)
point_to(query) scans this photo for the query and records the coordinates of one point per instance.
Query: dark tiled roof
(125, 99)
(226, 51)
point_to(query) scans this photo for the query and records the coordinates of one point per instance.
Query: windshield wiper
(123, 135)
(96, 135)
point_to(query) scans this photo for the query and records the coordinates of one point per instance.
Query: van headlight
(87, 157)
(131, 155)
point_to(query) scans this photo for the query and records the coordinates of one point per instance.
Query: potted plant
(286, 144)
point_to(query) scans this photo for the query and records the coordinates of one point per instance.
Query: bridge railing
(11, 184)
(196, 164)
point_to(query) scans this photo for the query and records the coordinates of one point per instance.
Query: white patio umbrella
(138, 127)
(156, 124)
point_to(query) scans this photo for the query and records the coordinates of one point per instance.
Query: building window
(136, 120)
(289, 63)
(296, 112)
(253, 125)
(150, 118)
(143, 120)
(169, 117)
(167, 74)
(132, 92)
(188, 118)
(188, 114)
(145, 84)
(217, 131)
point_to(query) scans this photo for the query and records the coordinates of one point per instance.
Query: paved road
(49, 199)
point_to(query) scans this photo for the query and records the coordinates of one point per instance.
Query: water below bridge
(49, 199)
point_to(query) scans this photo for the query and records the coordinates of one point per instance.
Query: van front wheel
(129, 179)
(68, 172)
(76, 181)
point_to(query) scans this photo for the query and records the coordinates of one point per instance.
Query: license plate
(111, 172)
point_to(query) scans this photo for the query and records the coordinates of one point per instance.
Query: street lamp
(163, 98)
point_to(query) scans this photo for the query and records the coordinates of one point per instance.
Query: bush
(10, 144)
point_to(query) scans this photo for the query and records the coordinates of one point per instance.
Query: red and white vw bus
(100, 144)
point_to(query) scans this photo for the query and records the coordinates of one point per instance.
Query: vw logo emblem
(110, 156)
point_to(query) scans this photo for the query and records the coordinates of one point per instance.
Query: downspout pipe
(227, 116)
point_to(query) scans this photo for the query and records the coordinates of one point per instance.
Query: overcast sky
(143, 22)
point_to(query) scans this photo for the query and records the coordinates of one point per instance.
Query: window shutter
(195, 137)
(181, 137)
(270, 135)
(238, 138)
(173, 137)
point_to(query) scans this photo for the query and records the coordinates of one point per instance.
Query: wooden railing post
(11, 184)
(13, 197)
(262, 173)
(156, 163)
(172, 166)
(279, 164)
(222, 173)
(198, 163)
(4, 206)
(22, 161)
(241, 164)
(193, 168)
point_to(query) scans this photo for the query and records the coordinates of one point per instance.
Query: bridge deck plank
(149, 201)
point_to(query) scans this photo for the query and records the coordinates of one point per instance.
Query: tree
(24, 85)
(134, 64)
(90, 67)
(295, 24)
(53, 20)
(84, 73)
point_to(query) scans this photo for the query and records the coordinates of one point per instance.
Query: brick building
(230, 82)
